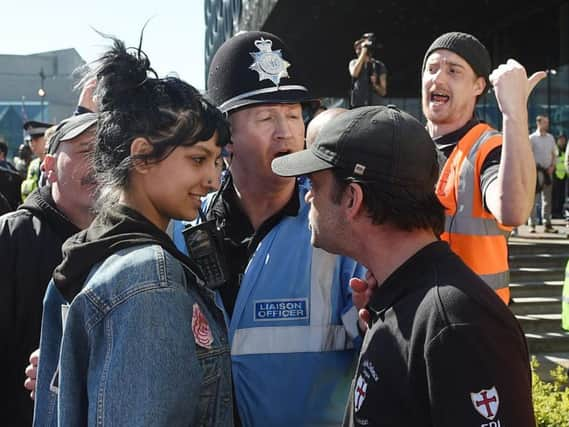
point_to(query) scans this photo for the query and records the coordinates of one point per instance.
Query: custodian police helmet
(254, 67)
(35, 128)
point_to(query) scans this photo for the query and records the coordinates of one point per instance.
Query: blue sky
(173, 39)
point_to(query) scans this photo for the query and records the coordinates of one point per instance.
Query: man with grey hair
(30, 249)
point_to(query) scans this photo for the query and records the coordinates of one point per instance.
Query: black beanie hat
(469, 48)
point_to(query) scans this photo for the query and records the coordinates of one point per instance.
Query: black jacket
(10, 182)
(30, 249)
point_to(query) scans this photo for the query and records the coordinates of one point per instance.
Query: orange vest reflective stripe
(471, 231)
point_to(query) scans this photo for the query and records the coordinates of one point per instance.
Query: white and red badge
(486, 402)
(200, 328)
(360, 393)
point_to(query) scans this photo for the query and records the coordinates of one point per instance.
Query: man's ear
(353, 200)
(479, 85)
(48, 166)
(140, 147)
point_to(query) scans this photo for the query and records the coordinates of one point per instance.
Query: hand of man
(550, 170)
(31, 373)
(512, 87)
(373, 79)
(362, 290)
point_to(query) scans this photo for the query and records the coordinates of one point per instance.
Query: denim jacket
(142, 345)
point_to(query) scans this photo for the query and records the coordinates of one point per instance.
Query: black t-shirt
(240, 238)
(489, 172)
(362, 91)
(442, 350)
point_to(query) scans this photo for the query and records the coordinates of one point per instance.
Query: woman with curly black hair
(143, 342)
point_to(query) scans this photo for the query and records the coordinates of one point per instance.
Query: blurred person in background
(369, 75)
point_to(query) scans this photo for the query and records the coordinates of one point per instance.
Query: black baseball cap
(376, 143)
(35, 128)
(255, 67)
(69, 129)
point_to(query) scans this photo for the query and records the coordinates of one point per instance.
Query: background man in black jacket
(10, 180)
(30, 248)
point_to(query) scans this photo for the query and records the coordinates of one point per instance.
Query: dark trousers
(558, 197)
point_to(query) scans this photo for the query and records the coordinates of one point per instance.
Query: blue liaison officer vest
(293, 333)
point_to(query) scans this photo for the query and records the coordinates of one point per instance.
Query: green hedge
(551, 399)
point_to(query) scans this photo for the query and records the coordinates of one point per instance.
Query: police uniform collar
(228, 210)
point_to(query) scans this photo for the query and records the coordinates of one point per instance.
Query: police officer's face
(37, 144)
(449, 89)
(261, 133)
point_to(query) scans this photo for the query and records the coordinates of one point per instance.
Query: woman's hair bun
(122, 75)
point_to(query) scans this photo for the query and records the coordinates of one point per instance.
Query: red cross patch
(486, 402)
(360, 393)
(200, 328)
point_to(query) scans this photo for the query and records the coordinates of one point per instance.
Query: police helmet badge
(269, 63)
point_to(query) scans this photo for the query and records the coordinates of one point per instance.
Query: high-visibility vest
(565, 301)
(32, 178)
(560, 166)
(472, 232)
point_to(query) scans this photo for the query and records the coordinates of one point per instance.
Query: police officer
(292, 323)
(36, 131)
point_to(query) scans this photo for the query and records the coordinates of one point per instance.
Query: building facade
(322, 33)
(40, 87)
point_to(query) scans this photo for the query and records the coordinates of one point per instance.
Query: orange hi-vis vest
(471, 231)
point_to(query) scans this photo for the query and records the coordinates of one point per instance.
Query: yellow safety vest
(560, 171)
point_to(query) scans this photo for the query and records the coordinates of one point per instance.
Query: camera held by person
(369, 75)
(368, 41)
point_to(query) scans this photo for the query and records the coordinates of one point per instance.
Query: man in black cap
(36, 132)
(441, 349)
(30, 248)
(293, 327)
